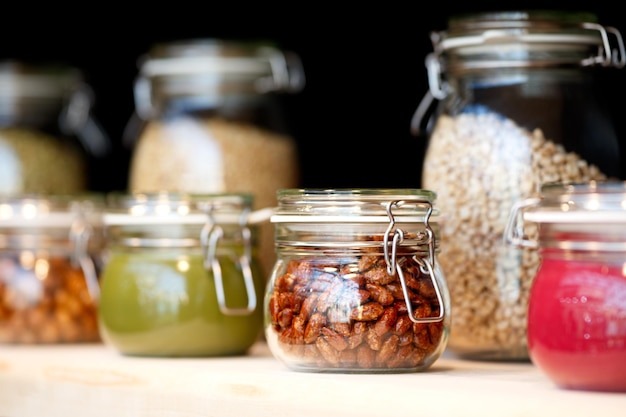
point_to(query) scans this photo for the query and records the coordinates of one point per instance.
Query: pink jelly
(576, 318)
(577, 324)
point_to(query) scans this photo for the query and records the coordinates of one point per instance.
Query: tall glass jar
(49, 252)
(518, 107)
(208, 120)
(577, 303)
(48, 134)
(357, 286)
(181, 276)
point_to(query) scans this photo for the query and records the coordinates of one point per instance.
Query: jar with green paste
(181, 275)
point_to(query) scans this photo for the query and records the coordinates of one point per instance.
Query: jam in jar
(577, 306)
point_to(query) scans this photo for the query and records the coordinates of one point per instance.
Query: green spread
(164, 303)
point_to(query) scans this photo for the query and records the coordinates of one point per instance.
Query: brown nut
(354, 316)
(53, 307)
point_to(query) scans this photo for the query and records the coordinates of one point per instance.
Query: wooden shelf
(94, 380)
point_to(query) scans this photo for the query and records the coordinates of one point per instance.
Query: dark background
(364, 67)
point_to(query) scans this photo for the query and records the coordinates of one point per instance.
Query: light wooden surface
(94, 380)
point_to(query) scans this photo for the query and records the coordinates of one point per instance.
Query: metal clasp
(79, 235)
(514, 231)
(76, 119)
(287, 72)
(426, 265)
(607, 56)
(210, 236)
(437, 89)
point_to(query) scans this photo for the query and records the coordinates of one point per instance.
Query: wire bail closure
(79, 234)
(514, 233)
(610, 53)
(426, 265)
(209, 237)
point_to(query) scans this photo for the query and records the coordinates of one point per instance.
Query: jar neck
(489, 77)
(157, 97)
(511, 57)
(195, 237)
(510, 90)
(260, 111)
(588, 255)
(517, 94)
(315, 239)
(46, 242)
(582, 238)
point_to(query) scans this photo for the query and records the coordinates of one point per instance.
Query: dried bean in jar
(45, 300)
(353, 314)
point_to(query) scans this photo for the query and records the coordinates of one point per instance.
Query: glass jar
(356, 286)
(577, 303)
(48, 136)
(518, 107)
(49, 288)
(209, 110)
(181, 276)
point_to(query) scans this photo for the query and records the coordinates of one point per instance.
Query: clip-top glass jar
(211, 111)
(49, 253)
(49, 138)
(577, 304)
(181, 276)
(356, 286)
(519, 106)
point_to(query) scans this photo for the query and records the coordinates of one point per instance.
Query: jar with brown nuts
(357, 287)
(209, 118)
(49, 287)
(50, 140)
(182, 276)
(519, 106)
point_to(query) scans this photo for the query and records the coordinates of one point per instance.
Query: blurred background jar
(181, 276)
(50, 247)
(208, 120)
(49, 140)
(577, 303)
(357, 287)
(518, 106)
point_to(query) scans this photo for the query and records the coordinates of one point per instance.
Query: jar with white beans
(209, 118)
(516, 105)
(50, 141)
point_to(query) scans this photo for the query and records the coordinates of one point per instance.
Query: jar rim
(519, 26)
(361, 205)
(580, 202)
(354, 193)
(211, 60)
(141, 208)
(528, 38)
(535, 18)
(49, 211)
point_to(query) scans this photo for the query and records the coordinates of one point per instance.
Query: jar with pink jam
(576, 326)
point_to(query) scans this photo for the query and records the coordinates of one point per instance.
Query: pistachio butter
(166, 304)
(181, 277)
